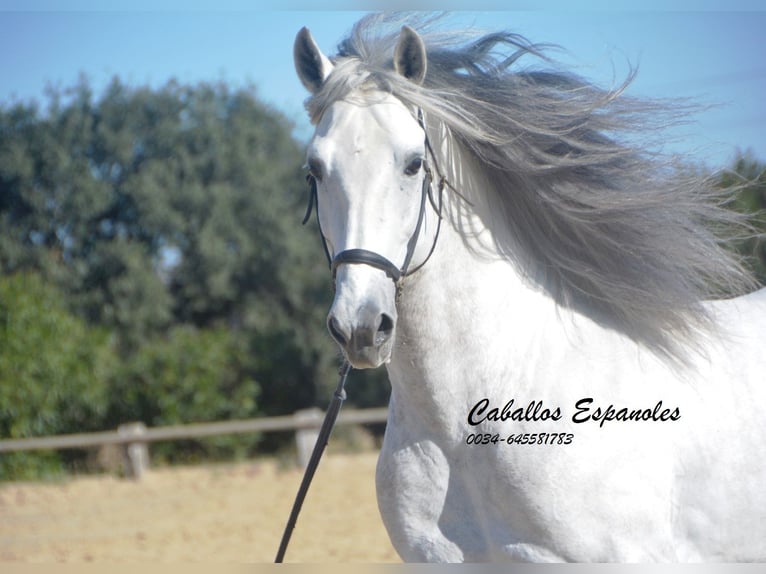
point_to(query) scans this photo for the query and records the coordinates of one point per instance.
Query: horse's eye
(414, 166)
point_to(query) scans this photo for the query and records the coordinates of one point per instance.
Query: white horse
(561, 390)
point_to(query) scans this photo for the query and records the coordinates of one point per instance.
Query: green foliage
(188, 376)
(181, 200)
(52, 372)
(748, 177)
(168, 222)
(154, 208)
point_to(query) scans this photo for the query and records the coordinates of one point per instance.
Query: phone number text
(543, 438)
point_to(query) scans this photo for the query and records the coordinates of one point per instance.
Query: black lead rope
(324, 436)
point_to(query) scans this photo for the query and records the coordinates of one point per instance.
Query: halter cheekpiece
(366, 257)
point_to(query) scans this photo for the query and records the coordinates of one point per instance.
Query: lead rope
(324, 436)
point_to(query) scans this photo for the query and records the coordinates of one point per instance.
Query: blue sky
(715, 56)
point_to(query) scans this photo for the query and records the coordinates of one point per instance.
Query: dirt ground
(229, 513)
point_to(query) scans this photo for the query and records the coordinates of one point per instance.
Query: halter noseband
(367, 257)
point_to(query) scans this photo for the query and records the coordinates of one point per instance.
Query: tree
(53, 371)
(748, 176)
(188, 376)
(179, 206)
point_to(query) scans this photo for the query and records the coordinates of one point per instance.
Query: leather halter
(367, 257)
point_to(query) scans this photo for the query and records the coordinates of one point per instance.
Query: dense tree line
(153, 268)
(156, 235)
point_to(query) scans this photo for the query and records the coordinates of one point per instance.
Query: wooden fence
(135, 437)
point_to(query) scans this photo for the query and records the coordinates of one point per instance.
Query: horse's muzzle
(366, 339)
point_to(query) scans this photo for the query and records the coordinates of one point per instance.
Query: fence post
(136, 451)
(306, 437)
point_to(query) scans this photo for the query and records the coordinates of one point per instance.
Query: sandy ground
(230, 513)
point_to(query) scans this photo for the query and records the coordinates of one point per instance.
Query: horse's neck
(471, 326)
(467, 322)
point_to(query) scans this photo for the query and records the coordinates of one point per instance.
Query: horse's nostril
(385, 329)
(336, 331)
(386, 324)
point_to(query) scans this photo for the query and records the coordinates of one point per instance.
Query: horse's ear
(312, 65)
(410, 55)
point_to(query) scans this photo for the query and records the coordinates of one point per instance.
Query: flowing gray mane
(599, 222)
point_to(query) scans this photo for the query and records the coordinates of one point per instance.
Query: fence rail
(135, 436)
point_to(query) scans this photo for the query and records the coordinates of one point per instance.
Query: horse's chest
(441, 506)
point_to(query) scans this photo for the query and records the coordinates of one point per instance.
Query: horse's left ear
(410, 55)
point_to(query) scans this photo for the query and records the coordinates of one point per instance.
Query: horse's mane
(593, 217)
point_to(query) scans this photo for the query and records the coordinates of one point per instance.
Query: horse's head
(367, 160)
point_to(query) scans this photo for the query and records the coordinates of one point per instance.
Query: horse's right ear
(410, 55)
(312, 65)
